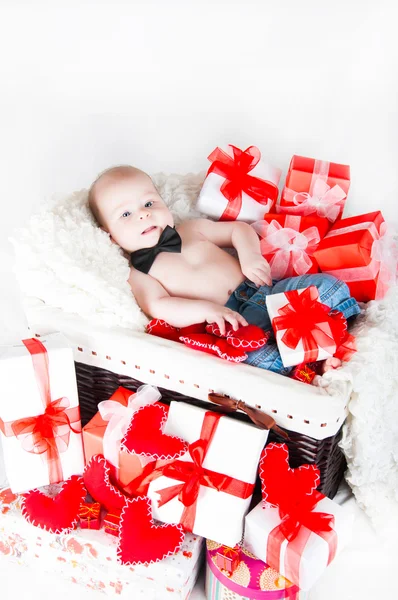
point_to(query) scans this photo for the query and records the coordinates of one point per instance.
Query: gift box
(227, 558)
(89, 558)
(112, 522)
(239, 185)
(315, 187)
(303, 373)
(296, 529)
(252, 578)
(305, 329)
(39, 413)
(208, 490)
(98, 438)
(360, 251)
(90, 515)
(288, 243)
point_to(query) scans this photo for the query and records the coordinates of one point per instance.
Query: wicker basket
(96, 384)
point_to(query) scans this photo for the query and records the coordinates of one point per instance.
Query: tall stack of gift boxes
(124, 504)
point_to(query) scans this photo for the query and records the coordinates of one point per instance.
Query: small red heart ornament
(96, 479)
(56, 514)
(145, 437)
(142, 542)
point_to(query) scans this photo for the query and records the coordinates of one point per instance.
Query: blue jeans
(249, 301)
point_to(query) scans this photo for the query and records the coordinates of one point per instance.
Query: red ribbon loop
(237, 179)
(306, 319)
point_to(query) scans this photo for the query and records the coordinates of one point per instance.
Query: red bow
(305, 318)
(237, 179)
(192, 475)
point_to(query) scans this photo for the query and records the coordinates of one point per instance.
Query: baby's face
(132, 211)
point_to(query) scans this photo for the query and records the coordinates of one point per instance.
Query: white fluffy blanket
(68, 262)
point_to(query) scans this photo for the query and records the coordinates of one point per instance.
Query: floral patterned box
(88, 557)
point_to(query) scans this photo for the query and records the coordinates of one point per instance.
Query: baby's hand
(219, 314)
(256, 268)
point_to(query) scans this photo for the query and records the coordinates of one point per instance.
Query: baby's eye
(148, 204)
(127, 213)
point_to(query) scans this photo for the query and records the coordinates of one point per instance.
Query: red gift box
(90, 515)
(303, 373)
(112, 522)
(359, 251)
(315, 186)
(228, 558)
(288, 243)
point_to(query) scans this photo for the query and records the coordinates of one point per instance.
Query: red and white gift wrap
(288, 243)
(315, 187)
(363, 253)
(39, 413)
(304, 559)
(304, 329)
(208, 490)
(239, 185)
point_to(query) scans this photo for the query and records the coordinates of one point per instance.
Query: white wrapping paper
(21, 398)
(261, 521)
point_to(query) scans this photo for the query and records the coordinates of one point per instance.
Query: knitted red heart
(280, 483)
(249, 337)
(56, 514)
(97, 482)
(140, 541)
(162, 329)
(213, 345)
(144, 435)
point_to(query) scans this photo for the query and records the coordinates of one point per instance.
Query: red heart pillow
(280, 484)
(140, 541)
(162, 329)
(144, 435)
(213, 345)
(249, 337)
(56, 514)
(97, 482)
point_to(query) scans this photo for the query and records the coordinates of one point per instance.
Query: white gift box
(88, 557)
(234, 451)
(212, 201)
(295, 356)
(21, 398)
(261, 521)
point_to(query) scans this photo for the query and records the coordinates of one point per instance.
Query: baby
(183, 276)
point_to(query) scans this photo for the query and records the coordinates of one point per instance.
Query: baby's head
(125, 203)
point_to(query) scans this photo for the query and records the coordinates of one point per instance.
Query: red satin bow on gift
(237, 179)
(192, 475)
(305, 318)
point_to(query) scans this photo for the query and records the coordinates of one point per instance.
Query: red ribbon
(192, 475)
(46, 434)
(237, 179)
(305, 318)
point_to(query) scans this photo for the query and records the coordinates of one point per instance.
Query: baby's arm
(156, 302)
(245, 241)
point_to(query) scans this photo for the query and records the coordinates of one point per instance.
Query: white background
(85, 85)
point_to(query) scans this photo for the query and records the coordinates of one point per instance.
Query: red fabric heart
(96, 479)
(144, 435)
(56, 514)
(213, 345)
(280, 484)
(163, 330)
(249, 337)
(140, 541)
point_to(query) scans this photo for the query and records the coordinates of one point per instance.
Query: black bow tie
(169, 241)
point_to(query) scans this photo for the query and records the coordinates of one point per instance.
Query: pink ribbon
(321, 199)
(291, 249)
(119, 419)
(384, 258)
